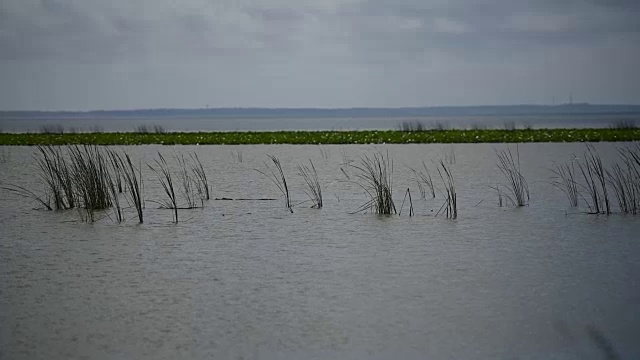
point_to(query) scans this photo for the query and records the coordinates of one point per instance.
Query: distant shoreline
(324, 137)
(483, 110)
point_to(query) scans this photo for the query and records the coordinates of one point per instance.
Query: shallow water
(248, 279)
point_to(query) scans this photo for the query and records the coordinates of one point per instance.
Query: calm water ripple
(249, 280)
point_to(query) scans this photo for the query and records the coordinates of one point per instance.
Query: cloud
(313, 53)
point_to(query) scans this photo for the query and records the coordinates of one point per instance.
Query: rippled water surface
(250, 280)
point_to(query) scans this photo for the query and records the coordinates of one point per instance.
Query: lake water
(250, 280)
(190, 124)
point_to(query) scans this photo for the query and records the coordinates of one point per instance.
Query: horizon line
(319, 108)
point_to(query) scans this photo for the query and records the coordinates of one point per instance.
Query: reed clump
(81, 177)
(595, 183)
(150, 129)
(58, 177)
(200, 177)
(625, 179)
(411, 126)
(376, 176)
(565, 180)
(517, 184)
(93, 180)
(52, 129)
(313, 189)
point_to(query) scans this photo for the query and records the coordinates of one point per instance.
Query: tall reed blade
(510, 168)
(422, 179)
(184, 175)
(200, 176)
(411, 213)
(565, 181)
(313, 189)
(451, 198)
(133, 184)
(164, 176)
(280, 181)
(593, 174)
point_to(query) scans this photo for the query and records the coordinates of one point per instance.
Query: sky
(132, 54)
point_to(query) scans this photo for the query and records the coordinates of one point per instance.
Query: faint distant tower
(570, 98)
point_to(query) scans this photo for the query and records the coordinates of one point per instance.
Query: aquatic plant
(450, 204)
(439, 126)
(55, 173)
(145, 129)
(509, 125)
(623, 124)
(450, 155)
(236, 154)
(510, 168)
(279, 180)
(324, 152)
(134, 184)
(625, 179)
(411, 126)
(52, 129)
(376, 174)
(5, 154)
(91, 178)
(327, 137)
(116, 167)
(166, 180)
(622, 183)
(115, 201)
(595, 186)
(422, 179)
(21, 191)
(313, 189)
(565, 181)
(411, 212)
(201, 181)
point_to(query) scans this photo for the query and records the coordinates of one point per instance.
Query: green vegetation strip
(326, 137)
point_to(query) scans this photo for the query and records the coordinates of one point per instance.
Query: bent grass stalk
(623, 189)
(202, 183)
(411, 212)
(565, 181)
(26, 193)
(53, 170)
(186, 181)
(450, 204)
(625, 179)
(594, 176)
(424, 178)
(313, 189)
(164, 176)
(280, 181)
(133, 183)
(510, 168)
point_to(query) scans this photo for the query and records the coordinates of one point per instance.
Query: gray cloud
(311, 53)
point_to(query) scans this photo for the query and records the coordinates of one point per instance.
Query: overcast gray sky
(124, 54)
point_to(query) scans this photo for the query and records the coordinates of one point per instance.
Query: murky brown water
(248, 279)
